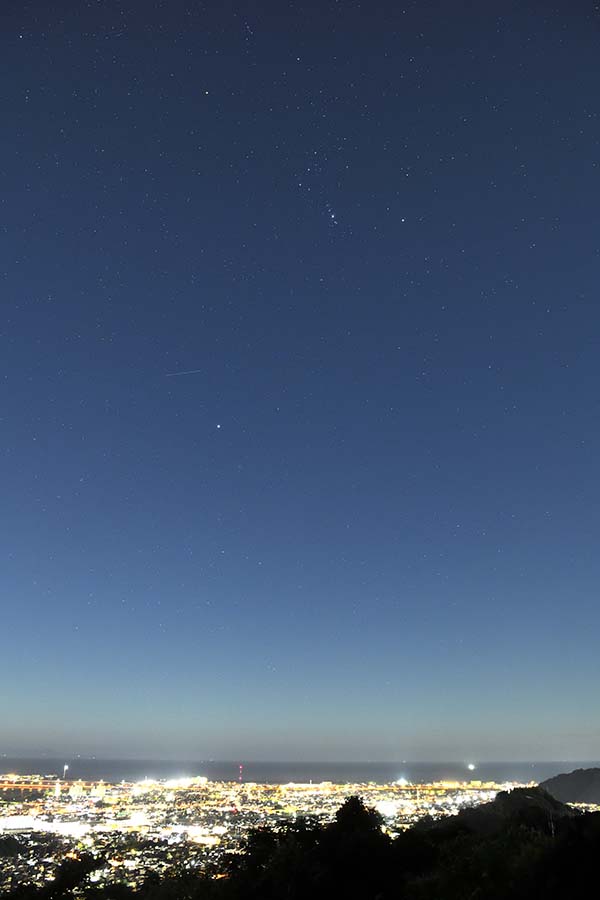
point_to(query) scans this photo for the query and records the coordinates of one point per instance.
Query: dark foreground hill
(529, 807)
(580, 786)
(523, 846)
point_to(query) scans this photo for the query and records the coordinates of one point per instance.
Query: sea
(116, 770)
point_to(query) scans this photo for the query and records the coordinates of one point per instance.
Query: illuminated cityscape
(151, 826)
(300, 439)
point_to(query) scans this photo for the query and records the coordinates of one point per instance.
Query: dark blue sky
(366, 525)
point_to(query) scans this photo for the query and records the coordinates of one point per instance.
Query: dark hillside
(580, 786)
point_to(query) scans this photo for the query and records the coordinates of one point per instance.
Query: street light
(65, 770)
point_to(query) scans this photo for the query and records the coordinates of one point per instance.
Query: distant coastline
(91, 769)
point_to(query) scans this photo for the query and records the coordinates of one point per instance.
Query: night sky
(299, 358)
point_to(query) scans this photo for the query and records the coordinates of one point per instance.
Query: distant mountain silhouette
(580, 786)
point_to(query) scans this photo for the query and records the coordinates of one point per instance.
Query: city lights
(153, 826)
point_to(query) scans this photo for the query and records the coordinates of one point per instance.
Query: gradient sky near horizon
(299, 373)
